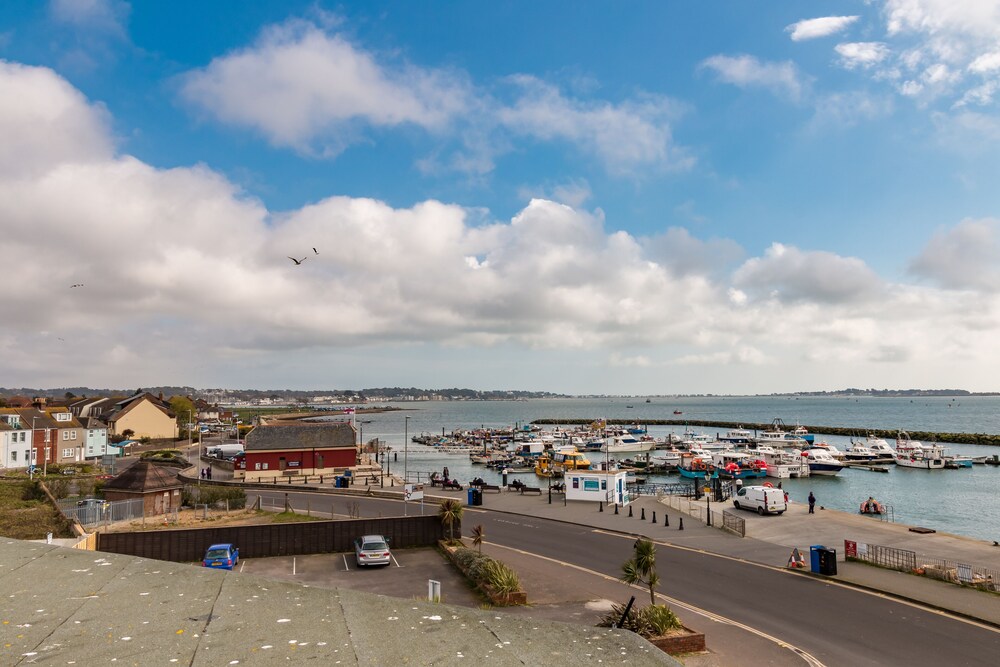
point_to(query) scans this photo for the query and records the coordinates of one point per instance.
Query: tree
(183, 408)
(450, 513)
(641, 569)
(128, 433)
(478, 533)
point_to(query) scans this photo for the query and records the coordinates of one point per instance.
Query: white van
(764, 499)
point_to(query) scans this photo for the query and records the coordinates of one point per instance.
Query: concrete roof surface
(68, 606)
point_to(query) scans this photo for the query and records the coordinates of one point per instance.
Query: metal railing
(102, 512)
(964, 574)
(734, 524)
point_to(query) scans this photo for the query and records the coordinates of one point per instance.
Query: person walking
(812, 503)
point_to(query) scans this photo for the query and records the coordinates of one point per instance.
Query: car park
(222, 556)
(372, 550)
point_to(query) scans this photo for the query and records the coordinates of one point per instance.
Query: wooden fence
(262, 541)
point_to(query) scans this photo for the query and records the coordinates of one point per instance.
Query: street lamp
(31, 452)
(406, 451)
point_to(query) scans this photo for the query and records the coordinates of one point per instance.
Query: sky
(714, 197)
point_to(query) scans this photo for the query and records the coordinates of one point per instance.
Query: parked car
(372, 550)
(92, 502)
(224, 556)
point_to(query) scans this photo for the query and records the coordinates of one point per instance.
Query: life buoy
(769, 485)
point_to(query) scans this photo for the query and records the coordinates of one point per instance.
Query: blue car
(224, 556)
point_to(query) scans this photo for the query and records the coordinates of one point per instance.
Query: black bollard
(630, 511)
(600, 506)
(654, 517)
(642, 515)
(681, 527)
(666, 521)
(616, 508)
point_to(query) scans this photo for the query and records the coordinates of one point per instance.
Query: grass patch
(289, 517)
(25, 518)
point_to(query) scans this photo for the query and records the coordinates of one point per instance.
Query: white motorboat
(915, 454)
(779, 438)
(821, 462)
(781, 463)
(860, 453)
(737, 436)
(621, 444)
(670, 458)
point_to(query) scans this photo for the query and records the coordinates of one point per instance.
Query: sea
(963, 501)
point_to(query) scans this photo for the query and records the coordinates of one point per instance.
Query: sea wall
(925, 436)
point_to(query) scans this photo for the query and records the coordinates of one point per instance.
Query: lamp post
(406, 451)
(31, 452)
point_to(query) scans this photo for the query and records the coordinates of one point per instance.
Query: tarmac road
(838, 625)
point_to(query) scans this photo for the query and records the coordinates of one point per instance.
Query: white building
(15, 443)
(597, 486)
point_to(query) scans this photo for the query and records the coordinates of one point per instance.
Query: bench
(451, 485)
(530, 489)
(491, 487)
(559, 488)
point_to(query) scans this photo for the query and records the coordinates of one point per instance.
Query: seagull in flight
(297, 261)
(315, 251)
(76, 285)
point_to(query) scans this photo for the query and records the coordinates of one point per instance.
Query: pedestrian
(203, 473)
(208, 475)
(779, 486)
(812, 503)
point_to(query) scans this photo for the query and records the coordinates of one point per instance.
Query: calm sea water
(961, 501)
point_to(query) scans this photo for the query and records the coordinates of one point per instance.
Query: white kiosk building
(597, 485)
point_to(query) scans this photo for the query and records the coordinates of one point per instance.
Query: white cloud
(747, 71)
(46, 122)
(298, 85)
(107, 16)
(186, 281)
(625, 136)
(820, 27)
(861, 54)
(966, 256)
(789, 274)
(986, 63)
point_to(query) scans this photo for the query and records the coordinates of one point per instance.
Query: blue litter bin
(814, 558)
(471, 497)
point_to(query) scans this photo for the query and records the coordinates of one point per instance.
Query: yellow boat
(570, 459)
(544, 467)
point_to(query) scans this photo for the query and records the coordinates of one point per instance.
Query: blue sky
(725, 197)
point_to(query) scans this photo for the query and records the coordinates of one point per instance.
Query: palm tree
(478, 533)
(450, 513)
(641, 569)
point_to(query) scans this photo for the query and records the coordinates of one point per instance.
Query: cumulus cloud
(790, 274)
(298, 84)
(820, 27)
(316, 92)
(625, 136)
(861, 54)
(747, 71)
(934, 50)
(185, 275)
(966, 256)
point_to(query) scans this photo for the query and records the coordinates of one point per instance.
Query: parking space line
(393, 557)
(346, 568)
(293, 566)
(242, 563)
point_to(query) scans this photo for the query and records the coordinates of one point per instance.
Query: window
(23, 434)
(65, 435)
(90, 433)
(13, 455)
(68, 453)
(72, 435)
(604, 485)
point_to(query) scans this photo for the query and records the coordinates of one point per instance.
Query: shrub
(215, 496)
(58, 487)
(651, 621)
(503, 579)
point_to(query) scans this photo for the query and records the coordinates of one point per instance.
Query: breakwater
(925, 436)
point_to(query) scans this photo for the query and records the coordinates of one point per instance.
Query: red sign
(850, 549)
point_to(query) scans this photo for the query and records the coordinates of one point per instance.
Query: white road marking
(345, 563)
(393, 557)
(703, 612)
(242, 563)
(293, 566)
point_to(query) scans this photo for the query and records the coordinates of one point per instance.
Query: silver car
(372, 550)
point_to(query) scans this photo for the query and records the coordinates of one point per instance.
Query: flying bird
(298, 261)
(76, 285)
(315, 251)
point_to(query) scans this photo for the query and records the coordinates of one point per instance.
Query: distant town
(285, 397)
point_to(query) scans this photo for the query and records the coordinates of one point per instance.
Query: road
(836, 624)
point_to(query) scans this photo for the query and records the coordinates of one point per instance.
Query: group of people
(206, 473)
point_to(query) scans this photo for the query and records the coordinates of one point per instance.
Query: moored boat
(821, 462)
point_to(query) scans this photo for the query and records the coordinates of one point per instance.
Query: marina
(950, 500)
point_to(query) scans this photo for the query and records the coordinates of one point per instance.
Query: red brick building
(291, 448)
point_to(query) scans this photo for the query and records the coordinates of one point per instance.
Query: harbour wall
(925, 436)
